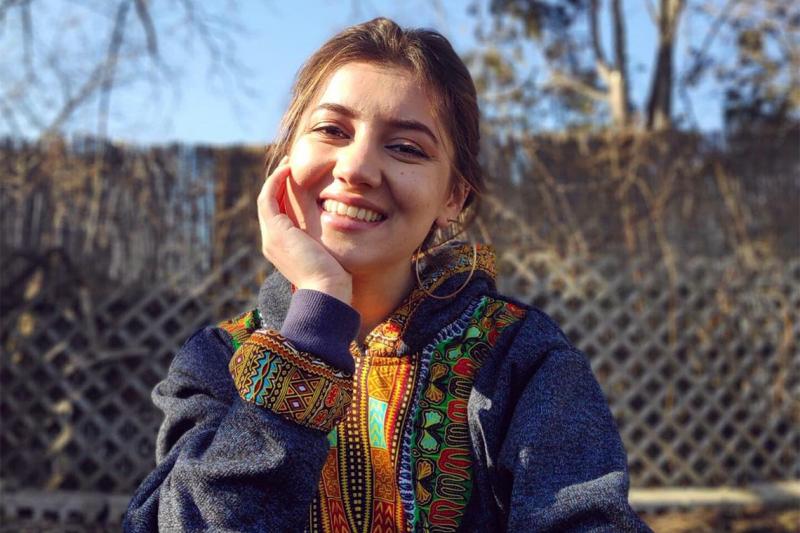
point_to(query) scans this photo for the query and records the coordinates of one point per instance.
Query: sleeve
(243, 440)
(563, 455)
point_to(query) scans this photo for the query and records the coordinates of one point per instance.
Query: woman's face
(370, 168)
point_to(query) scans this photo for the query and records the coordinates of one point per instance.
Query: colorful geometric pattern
(241, 327)
(400, 459)
(383, 339)
(269, 372)
(440, 455)
(358, 485)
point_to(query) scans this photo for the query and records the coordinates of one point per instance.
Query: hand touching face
(300, 258)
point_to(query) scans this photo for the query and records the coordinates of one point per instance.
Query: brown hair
(429, 56)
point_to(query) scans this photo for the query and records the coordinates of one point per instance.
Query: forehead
(380, 92)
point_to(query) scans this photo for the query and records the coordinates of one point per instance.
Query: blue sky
(280, 37)
(274, 39)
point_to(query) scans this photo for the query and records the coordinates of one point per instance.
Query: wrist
(342, 289)
(322, 325)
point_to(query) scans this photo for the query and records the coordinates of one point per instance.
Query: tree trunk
(618, 88)
(659, 105)
(614, 75)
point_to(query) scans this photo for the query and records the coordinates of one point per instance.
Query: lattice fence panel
(701, 366)
(77, 378)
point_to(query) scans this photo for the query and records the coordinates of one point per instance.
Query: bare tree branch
(110, 65)
(92, 83)
(8, 114)
(202, 29)
(52, 81)
(562, 79)
(594, 32)
(32, 117)
(692, 73)
(27, 38)
(8, 4)
(693, 70)
(143, 13)
(652, 11)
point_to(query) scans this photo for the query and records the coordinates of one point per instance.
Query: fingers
(300, 258)
(270, 198)
(271, 217)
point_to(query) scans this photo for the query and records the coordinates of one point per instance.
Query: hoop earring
(461, 288)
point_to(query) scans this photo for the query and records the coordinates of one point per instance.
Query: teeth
(332, 206)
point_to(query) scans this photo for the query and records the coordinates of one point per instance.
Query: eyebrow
(397, 123)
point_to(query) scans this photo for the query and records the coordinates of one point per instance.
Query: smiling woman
(370, 145)
(381, 383)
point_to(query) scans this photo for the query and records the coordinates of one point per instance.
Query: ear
(454, 203)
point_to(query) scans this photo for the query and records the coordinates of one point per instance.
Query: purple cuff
(320, 324)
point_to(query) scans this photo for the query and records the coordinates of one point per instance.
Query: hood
(419, 317)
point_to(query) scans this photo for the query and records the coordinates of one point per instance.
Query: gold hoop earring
(461, 288)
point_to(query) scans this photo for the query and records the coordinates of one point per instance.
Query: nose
(358, 163)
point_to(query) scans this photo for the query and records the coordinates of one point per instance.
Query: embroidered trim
(405, 479)
(382, 340)
(241, 327)
(271, 373)
(440, 449)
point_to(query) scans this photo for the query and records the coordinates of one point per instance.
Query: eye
(330, 130)
(408, 150)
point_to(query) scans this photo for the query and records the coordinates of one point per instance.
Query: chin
(354, 261)
(360, 259)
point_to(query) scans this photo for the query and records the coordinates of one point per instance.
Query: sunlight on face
(370, 168)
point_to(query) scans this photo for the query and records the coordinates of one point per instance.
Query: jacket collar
(419, 316)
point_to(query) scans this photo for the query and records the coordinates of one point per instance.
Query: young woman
(381, 384)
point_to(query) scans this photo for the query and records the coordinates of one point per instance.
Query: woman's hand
(300, 258)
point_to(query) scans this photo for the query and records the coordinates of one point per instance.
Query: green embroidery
(441, 458)
(241, 327)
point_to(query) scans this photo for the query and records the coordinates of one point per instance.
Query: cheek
(307, 170)
(307, 162)
(417, 191)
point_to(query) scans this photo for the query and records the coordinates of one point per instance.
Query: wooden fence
(699, 357)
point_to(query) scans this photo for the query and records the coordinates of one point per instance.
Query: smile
(349, 211)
